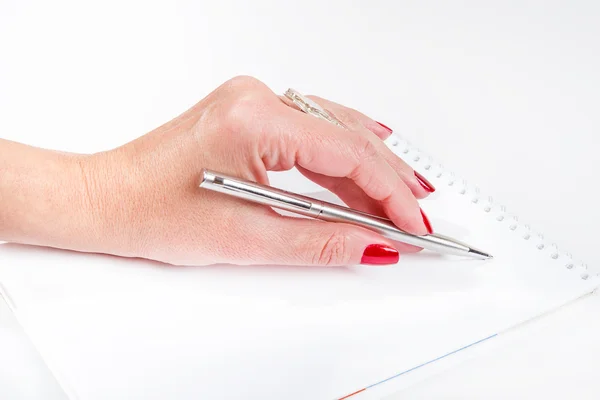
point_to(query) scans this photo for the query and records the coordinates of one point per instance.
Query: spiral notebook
(132, 329)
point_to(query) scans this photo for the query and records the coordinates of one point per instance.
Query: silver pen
(318, 209)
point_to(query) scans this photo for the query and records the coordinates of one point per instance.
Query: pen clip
(310, 107)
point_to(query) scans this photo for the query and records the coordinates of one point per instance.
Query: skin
(142, 200)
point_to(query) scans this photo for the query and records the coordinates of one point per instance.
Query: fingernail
(380, 254)
(426, 222)
(387, 128)
(424, 182)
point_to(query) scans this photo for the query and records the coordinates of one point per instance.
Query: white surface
(555, 357)
(23, 374)
(505, 94)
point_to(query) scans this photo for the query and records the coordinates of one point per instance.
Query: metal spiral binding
(411, 154)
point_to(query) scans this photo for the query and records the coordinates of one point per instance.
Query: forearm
(43, 198)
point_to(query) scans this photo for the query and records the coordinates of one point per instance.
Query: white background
(505, 93)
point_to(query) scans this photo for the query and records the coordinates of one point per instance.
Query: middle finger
(360, 123)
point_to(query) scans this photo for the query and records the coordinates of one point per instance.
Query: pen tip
(481, 254)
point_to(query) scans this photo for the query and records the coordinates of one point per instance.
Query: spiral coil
(405, 150)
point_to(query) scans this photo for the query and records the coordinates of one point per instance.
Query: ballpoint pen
(318, 209)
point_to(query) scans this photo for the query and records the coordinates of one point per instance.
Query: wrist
(42, 199)
(70, 221)
(107, 182)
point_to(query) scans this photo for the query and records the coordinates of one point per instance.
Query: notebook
(133, 329)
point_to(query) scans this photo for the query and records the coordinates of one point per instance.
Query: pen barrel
(295, 203)
(258, 193)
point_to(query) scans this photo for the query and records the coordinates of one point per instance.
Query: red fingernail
(426, 222)
(379, 254)
(424, 182)
(387, 128)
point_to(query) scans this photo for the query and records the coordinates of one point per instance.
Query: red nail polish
(379, 254)
(424, 182)
(426, 222)
(385, 127)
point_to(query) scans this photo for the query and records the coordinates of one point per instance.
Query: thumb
(300, 241)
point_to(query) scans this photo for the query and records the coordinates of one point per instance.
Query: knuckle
(238, 112)
(277, 152)
(372, 173)
(334, 250)
(365, 152)
(235, 115)
(404, 223)
(243, 81)
(247, 104)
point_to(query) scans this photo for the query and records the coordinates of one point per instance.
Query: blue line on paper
(432, 361)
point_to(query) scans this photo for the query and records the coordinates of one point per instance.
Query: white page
(133, 329)
(23, 374)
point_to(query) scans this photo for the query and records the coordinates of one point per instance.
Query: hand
(143, 198)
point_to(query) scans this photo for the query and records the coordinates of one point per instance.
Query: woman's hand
(143, 199)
